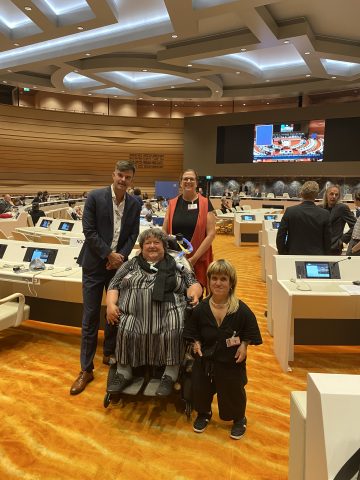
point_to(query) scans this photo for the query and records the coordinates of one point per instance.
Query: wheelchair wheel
(107, 399)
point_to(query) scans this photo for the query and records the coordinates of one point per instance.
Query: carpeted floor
(47, 434)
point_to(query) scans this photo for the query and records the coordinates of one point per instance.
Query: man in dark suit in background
(111, 226)
(340, 215)
(305, 228)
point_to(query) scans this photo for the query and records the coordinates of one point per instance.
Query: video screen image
(289, 142)
(66, 226)
(317, 270)
(45, 223)
(270, 217)
(248, 218)
(158, 221)
(46, 255)
(275, 225)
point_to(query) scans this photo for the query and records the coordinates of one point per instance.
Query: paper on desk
(352, 289)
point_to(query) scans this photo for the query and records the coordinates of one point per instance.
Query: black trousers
(228, 381)
(94, 283)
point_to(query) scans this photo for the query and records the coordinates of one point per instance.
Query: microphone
(338, 261)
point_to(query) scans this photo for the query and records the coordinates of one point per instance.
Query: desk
(324, 315)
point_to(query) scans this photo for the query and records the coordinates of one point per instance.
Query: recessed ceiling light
(144, 70)
(165, 98)
(16, 44)
(80, 27)
(153, 104)
(198, 105)
(34, 86)
(4, 81)
(237, 73)
(286, 42)
(115, 96)
(189, 65)
(307, 53)
(172, 86)
(89, 94)
(198, 79)
(220, 105)
(62, 91)
(267, 103)
(244, 104)
(216, 91)
(10, 71)
(267, 80)
(140, 98)
(88, 54)
(28, 9)
(175, 105)
(308, 75)
(242, 49)
(174, 35)
(333, 77)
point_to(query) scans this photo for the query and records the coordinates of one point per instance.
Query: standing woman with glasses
(192, 215)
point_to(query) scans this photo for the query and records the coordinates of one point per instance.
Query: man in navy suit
(305, 228)
(111, 226)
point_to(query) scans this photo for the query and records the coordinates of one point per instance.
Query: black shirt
(184, 220)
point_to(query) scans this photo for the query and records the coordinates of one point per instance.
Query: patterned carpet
(48, 434)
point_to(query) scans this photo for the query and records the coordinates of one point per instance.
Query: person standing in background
(192, 215)
(340, 215)
(111, 226)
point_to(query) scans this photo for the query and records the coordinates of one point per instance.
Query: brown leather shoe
(80, 383)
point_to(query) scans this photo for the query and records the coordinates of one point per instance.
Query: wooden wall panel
(57, 151)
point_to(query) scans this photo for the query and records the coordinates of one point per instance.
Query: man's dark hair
(123, 165)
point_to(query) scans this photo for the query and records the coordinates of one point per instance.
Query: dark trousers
(94, 283)
(228, 381)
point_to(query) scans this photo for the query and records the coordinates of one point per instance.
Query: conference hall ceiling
(181, 49)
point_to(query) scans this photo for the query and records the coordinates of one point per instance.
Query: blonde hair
(223, 267)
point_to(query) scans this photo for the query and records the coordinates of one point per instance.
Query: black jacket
(340, 215)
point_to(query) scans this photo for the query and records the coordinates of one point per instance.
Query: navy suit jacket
(304, 230)
(98, 228)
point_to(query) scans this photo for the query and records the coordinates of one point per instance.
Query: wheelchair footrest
(151, 387)
(135, 386)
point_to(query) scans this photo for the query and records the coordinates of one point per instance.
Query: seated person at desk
(354, 244)
(36, 213)
(224, 207)
(5, 208)
(72, 211)
(305, 228)
(221, 328)
(147, 221)
(146, 299)
(147, 208)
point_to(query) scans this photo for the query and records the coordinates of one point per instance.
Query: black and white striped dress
(149, 331)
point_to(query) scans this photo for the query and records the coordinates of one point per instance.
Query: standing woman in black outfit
(221, 327)
(192, 215)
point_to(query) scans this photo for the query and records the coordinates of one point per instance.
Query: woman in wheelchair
(146, 299)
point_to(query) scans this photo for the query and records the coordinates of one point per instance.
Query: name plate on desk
(75, 242)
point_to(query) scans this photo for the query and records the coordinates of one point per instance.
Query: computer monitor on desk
(3, 247)
(158, 221)
(317, 270)
(45, 223)
(66, 226)
(270, 217)
(46, 255)
(248, 218)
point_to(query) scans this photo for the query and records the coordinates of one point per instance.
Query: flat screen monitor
(270, 217)
(3, 247)
(66, 226)
(275, 225)
(158, 221)
(45, 223)
(317, 270)
(289, 142)
(247, 218)
(46, 255)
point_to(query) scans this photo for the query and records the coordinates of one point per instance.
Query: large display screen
(289, 142)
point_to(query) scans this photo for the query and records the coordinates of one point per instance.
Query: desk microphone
(338, 261)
